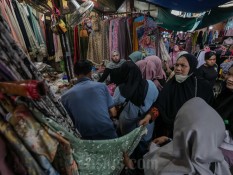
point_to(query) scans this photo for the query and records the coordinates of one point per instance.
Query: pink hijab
(151, 68)
(160, 74)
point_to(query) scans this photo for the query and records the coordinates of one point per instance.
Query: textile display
(98, 47)
(20, 67)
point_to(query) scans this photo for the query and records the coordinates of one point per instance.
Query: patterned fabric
(135, 37)
(42, 50)
(33, 42)
(114, 34)
(8, 13)
(35, 137)
(25, 156)
(20, 66)
(4, 167)
(98, 45)
(32, 133)
(64, 161)
(164, 53)
(98, 157)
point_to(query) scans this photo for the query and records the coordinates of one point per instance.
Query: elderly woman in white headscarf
(198, 133)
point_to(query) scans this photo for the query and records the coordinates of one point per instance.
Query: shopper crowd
(190, 126)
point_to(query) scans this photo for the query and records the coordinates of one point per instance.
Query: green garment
(102, 157)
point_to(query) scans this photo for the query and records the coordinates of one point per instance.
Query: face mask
(181, 78)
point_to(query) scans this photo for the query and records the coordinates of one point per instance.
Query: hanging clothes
(97, 44)
(122, 32)
(113, 34)
(7, 12)
(135, 37)
(42, 50)
(76, 45)
(83, 37)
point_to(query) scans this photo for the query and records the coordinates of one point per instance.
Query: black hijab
(132, 86)
(174, 95)
(192, 60)
(223, 105)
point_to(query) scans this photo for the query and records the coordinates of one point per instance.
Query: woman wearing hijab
(182, 87)
(195, 147)
(223, 105)
(138, 95)
(209, 70)
(136, 56)
(151, 68)
(112, 68)
(173, 55)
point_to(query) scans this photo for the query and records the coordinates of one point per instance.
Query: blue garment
(167, 45)
(132, 114)
(88, 103)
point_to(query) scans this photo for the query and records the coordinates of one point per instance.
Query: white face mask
(181, 78)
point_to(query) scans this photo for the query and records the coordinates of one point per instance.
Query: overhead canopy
(189, 5)
(171, 22)
(215, 16)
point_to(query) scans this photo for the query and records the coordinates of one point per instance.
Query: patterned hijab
(194, 145)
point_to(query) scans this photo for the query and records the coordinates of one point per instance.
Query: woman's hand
(145, 121)
(160, 140)
(127, 161)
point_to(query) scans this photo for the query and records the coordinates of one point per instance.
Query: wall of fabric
(32, 31)
(111, 34)
(124, 34)
(37, 135)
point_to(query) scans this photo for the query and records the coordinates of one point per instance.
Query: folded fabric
(29, 162)
(29, 88)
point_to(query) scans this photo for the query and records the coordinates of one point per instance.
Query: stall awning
(188, 5)
(171, 22)
(216, 15)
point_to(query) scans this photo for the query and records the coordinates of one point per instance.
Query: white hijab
(198, 133)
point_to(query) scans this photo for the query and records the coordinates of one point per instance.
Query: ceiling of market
(193, 6)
